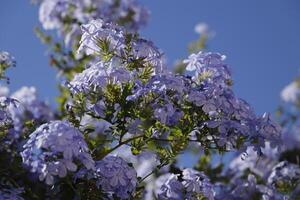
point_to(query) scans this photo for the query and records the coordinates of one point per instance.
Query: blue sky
(260, 38)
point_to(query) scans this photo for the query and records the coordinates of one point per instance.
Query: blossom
(150, 54)
(258, 164)
(116, 177)
(96, 31)
(284, 172)
(90, 79)
(201, 60)
(6, 60)
(201, 28)
(98, 76)
(53, 12)
(169, 187)
(29, 108)
(5, 117)
(6, 120)
(269, 129)
(197, 182)
(66, 16)
(167, 114)
(291, 93)
(52, 150)
(210, 71)
(4, 91)
(247, 188)
(227, 116)
(160, 84)
(129, 13)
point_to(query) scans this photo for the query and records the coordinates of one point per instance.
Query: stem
(124, 142)
(158, 167)
(168, 140)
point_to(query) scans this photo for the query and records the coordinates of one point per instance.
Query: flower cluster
(29, 108)
(6, 61)
(116, 178)
(53, 150)
(109, 40)
(168, 187)
(5, 116)
(278, 169)
(98, 76)
(284, 173)
(123, 59)
(277, 179)
(66, 16)
(291, 92)
(248, 189)
(124, 119)
(195, 185)
(7, 130)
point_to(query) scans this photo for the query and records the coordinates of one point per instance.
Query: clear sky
(259, 37)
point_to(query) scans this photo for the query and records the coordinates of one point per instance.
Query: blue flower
(98, 76)
(6, 60)
(116, 177)
(284, 172)
(66, 16)
(196, 182)
(98, 30)
(169, 188)
(150, 54)
(53, 149)
(167, 114)
(29, 108)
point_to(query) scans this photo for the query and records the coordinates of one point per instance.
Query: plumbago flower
(7, 131)
(29, 108)
(129, 81)
(5, 116)
(108, 39)
(20, 112)
(99, 76)
(113, 176)
(248, 188)
(168, 187)
(124, 119)
(195, 185)
(259, 165)
(116, 178)
(6, 61)
(285, 174)
(291, 93)
(66, 16)
(54, 149)
(276, 171)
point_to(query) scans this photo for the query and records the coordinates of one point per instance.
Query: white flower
(201, 28)
(291, 93)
